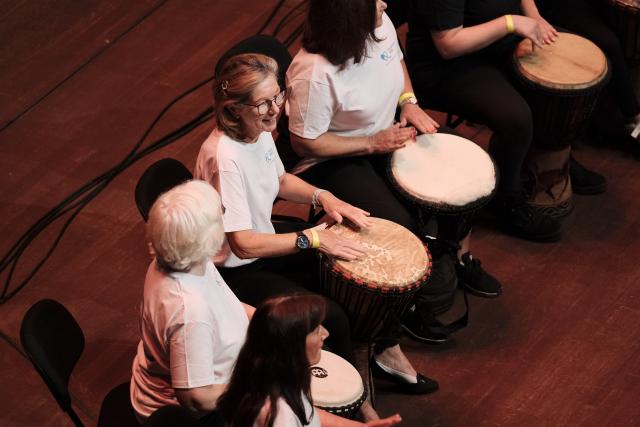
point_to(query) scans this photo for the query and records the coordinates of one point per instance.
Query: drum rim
(378, 288)
(443, 208)
(522, 74)
(348, 409)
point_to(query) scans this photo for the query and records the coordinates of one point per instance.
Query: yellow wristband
(405, 96)
(315, 239)
(511, 27)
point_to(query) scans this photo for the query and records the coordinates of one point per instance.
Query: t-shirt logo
(268, 155)
(389, 53)
(385, 56)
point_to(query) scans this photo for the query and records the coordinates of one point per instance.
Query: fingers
(335, 215)
(340, 247)
(385, 422)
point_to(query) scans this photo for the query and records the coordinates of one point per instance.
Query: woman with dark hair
(344, 87)
(270, 384)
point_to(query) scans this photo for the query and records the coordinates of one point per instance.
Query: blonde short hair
(235, 83)
(185, 225)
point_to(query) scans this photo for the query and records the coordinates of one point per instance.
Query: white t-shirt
(247, 176)
(287, 418)
(192, 330)
(359, 100)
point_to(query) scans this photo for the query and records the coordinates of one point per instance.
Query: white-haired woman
(192, 325)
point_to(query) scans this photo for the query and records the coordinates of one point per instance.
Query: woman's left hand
(338, 209)
(385, 422)
(414, 115)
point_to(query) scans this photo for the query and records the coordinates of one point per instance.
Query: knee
(515, 122)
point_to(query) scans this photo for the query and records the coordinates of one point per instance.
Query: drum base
(548, 182)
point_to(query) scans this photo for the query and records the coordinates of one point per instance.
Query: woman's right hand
(385, 422)
(390, 139)
(332, 244)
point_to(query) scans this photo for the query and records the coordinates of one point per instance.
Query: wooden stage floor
(79, 84)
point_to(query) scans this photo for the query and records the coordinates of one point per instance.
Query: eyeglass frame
(269, 102)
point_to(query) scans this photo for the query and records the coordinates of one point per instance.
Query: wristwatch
(302, 241)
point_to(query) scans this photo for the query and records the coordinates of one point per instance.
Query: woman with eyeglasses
(239, 159)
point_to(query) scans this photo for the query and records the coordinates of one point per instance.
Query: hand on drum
(338, 210)
(416, 116)
(332, 244)
(391, 139)
(385, 422)
(539, 31)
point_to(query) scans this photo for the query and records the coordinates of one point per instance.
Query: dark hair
(273, 361)
(234, 84)
(339, 29)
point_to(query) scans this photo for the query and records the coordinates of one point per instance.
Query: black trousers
(478, 88)
(296, 273)
(586, 20)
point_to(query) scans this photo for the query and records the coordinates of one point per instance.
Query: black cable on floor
(106, 47)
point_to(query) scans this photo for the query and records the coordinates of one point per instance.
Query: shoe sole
(481, 293)
(423, 339)
(590, 191)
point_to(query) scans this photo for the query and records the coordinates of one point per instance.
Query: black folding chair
(53, 340)
(157, 179)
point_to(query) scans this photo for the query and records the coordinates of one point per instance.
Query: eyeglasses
(266, 105)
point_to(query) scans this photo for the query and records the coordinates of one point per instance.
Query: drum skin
(384, 281)
(336, 386)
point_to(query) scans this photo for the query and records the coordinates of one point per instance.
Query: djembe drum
(624, 18)
(446, 176)
(561, 84)
(380, 284)
(336, 386)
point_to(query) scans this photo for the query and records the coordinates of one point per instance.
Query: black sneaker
(525, 221)
(475, 279)
(423, 326)
(585, 181)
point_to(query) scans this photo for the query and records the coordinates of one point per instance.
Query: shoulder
(311, 67)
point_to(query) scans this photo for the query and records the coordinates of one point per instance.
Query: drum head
(396, 259)
(572, 62)
(335, 383)
(443, 170)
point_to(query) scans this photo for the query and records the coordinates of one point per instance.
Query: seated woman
(343, 87)
(270, 385)
(458, 53)
(240, 159)
(192, 325)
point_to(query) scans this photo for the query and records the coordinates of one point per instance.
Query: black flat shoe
(423, 386)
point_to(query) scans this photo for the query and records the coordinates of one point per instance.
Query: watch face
(302, 242)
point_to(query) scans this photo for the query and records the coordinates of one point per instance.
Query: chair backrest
(169, 416)
(157, 179)
(53, 340)
(265, 45)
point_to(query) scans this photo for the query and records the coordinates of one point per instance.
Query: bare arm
(548, 33)
(412, 114)
(461, 40)
(200, 400)
(327, 419)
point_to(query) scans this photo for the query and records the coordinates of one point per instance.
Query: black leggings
(583, 18)
(296, 273)
(478, 89)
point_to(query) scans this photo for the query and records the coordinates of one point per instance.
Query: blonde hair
(185, 225)
(235, 83)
